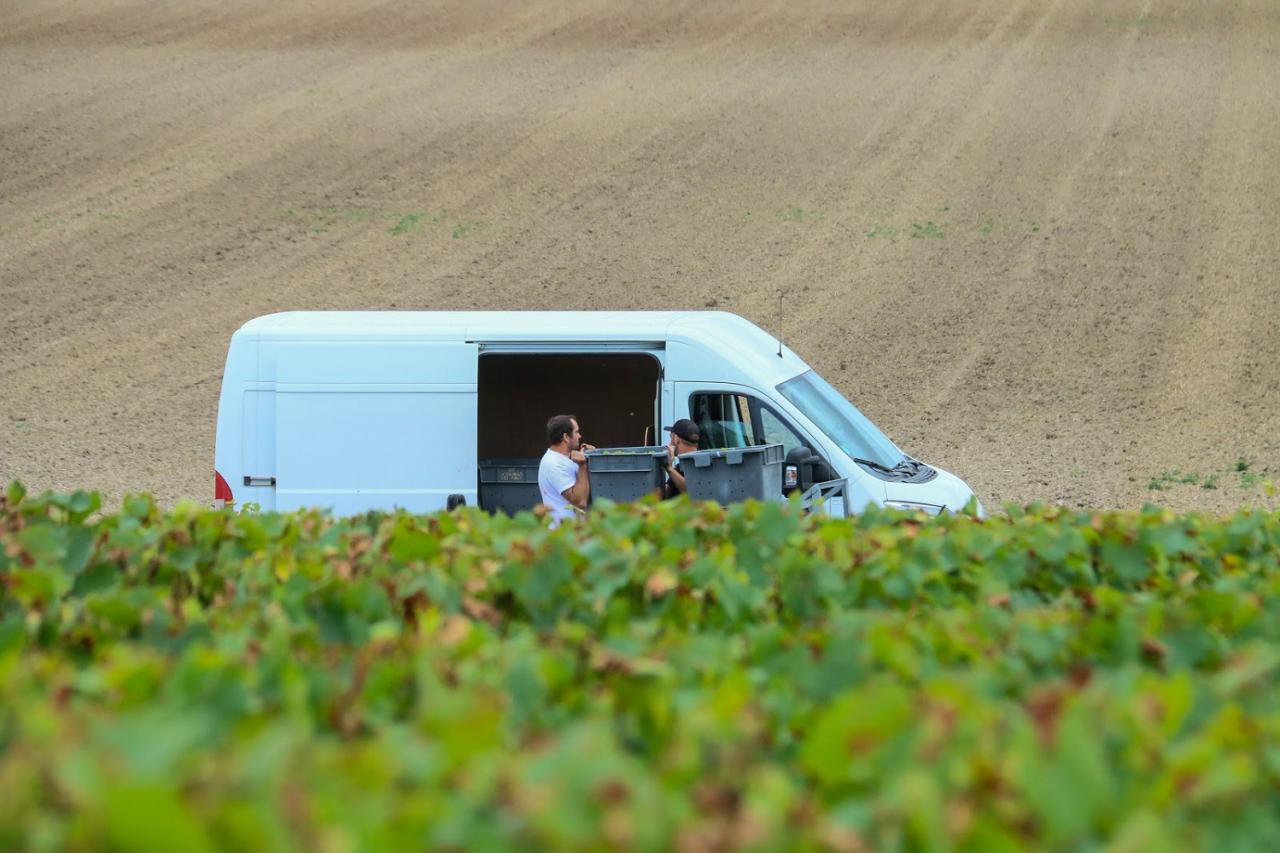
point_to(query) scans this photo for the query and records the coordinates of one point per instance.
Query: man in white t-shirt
(562, 473)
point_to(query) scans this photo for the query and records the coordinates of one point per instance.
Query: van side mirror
(797, 470)
(802, 468)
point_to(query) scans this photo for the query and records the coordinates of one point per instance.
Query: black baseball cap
(686, 429)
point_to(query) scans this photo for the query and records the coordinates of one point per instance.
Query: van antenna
(779, 322)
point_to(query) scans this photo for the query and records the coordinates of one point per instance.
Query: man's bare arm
(580, 492)
(676, 477)
(673, 472)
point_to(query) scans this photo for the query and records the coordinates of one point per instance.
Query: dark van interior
(615, 397)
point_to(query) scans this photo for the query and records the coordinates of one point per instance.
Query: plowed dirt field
(1035, 241)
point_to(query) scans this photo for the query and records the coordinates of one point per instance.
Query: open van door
(730, 415)
(363, 424)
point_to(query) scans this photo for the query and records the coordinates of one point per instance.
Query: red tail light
(221, 491)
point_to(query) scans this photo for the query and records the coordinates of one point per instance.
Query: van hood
(945, 490)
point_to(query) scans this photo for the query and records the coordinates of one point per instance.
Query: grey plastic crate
(509, 485)
(734, 474)
(625, 474)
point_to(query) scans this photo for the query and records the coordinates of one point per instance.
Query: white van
(356, 410)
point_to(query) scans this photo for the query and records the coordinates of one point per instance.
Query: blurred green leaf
(146, 818)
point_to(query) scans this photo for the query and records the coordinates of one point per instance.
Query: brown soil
(1035, 241)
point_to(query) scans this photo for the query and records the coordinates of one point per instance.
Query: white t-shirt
(557, 472)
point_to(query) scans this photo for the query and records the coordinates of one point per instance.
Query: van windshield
(840, 420)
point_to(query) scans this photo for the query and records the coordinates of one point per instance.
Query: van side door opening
(616, 397)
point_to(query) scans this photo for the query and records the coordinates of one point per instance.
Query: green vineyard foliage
(657, 676)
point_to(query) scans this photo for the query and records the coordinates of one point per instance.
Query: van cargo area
(615, 397)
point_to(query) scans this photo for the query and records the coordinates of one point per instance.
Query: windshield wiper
(868, 463)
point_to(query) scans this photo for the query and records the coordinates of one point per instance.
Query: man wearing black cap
(685, 436)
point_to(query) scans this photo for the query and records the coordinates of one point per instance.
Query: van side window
(737, 420)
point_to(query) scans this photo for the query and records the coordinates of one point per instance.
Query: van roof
(458, 325)
(718, 330)
(494, 325)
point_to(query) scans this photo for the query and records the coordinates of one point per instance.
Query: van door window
(774, 430)
(738, 420)
(723, 419)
